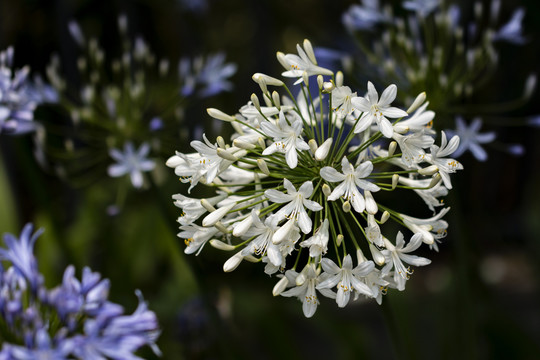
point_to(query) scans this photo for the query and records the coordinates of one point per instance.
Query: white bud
(326, 190)
(378, 257)
(258, 78)
(275, 99)
(233, 262)
(263, 166)
(323, 150)
(224, 154)
(430, 170)
(283, 232)
(328, 86)
(251, 258)
(206, 204)
(212, 218)
(305, 77)
(261, 143)
(243, 226)
(346, 206)
(219, 225)
(401, 129)
(320, 81)
(262, 85)
(255, 101)
(243, 144)
(220, 245)
(371, 205)
(218, 114)
(339, 78)
(280, 286)
(392, 148)
(434, 180)
(309, 51)
(395, 179)
(339, 239)
(312, 146)
(220, 142)
(385, 216)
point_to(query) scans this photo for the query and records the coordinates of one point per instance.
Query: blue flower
(471, 138)
(422, 7)
(132, 162)
(365, 16)
(211, 75)
(511, 31)
(16, 105)
(20, 253)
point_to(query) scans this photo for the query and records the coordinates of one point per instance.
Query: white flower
(287, 139)
(351, 179)
(377, 109)
(341, 100)
(430, 196)
(210, 160)
(318, 243)
(412, 146)
(305, 290)
(346, 278)
(297, 202)
(446, 166)
(470, 138)
(192, 208)
(132, 162)
(396, 255)
(424, 227)
(196, 237)
(300, 64)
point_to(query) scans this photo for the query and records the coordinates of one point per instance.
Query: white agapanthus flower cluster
(300, 188)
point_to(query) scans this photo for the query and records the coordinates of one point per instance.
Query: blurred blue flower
(471, 138)
(512, 30)
(365, 16)
(20, 252)
(74, 319)
(16, 105)
(210, 74)
(132, 162)
(422, 7)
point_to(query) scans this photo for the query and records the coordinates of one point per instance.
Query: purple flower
(132, 162)
(20, 253)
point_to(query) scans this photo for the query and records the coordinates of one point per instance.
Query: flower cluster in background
(446, 50)
(73, 320)
(302, 186)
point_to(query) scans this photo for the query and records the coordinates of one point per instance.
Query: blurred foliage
(478, 300)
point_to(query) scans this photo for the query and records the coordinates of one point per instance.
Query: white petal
(388, 95)
(330, 174)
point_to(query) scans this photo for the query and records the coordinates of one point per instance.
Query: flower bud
(312, 146)
(371, 205)
(385, 216)
(392, 148)
(220, 245)
(261, 143)
(339, 79)
(395, 179)
(221, 142)
(281, 58)
(417, 102)
(305, 77)
(339, 239)
(212, 218)
(224, 154)
(255, 101)
(243, 144)
(218, 114)
(430, 170)
(206, 204)
(346, 206)
(243, 226)
(233, 262)
(434, 180)
(320, 81)
(300, 279)
(280, 286)
(323, 150)
(328, 86)
(263, 167)
(275, 99)
(258, 77)
(326, 190)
